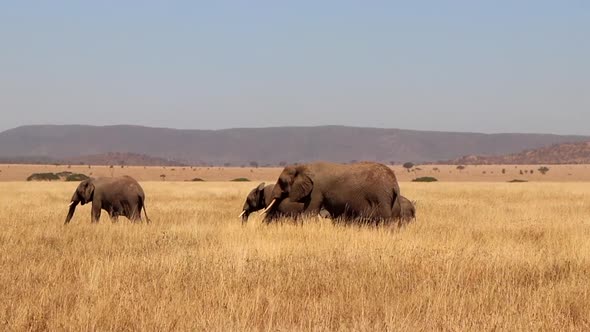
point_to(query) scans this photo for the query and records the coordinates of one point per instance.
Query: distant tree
(531, 171)
(354, 161)
(435, 169)
(283, 163)
(521, 172)
(163, 177)
(483, 172)
(503, 171)
(254, 164)
(543, 170)
(392, 162)
(460, 167)
(226, 164)
(408, 165)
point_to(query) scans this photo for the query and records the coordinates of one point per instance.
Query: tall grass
(481, 256)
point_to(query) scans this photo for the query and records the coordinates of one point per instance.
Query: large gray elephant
(260, 197)
(119, 196)
(363, 191)
(403, 209)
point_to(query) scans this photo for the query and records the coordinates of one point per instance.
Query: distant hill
(567, 153)
(263, 145)
(122, 158)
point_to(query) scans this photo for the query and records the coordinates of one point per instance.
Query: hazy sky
(502, 66)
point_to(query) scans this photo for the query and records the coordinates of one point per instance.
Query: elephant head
(254, 202)
(295, 182)
(83, 194)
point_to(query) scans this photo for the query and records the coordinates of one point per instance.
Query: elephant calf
(119, 196)
(403, 209)
(260, 197)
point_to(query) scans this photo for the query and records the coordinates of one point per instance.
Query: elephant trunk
(244, 215)
(73, 205)
(277, 192)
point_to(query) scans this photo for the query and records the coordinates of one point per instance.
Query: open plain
(471, 173)
(480, 256)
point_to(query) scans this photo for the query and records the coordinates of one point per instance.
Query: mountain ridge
(564, 153)
(270, 145)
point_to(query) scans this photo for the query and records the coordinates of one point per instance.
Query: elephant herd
(365, 192)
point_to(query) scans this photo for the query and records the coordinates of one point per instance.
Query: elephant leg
(383, 214)
(137, 212)
(314, 205)
(95, 213)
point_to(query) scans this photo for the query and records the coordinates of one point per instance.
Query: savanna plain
(480, 256)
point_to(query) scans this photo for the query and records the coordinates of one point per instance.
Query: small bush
(517, 181)
(425, 179)
(76, 177)
(64, 175)
(43, 177)
(543, 170)
(241, 180)
(197, 180)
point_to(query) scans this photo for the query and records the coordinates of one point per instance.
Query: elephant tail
(148, 220)
(396, 194)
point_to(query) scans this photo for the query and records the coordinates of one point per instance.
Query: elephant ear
(301, 187)
(259, 196)
(88, 191)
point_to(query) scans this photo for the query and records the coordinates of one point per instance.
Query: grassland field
(476, 173)
(480, 256)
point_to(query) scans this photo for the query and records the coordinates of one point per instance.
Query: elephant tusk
(71, 203)
(242, 214)
(269, 206)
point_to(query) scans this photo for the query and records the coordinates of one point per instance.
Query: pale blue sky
(487, 66)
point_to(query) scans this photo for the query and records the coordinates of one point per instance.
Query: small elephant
(119, 196)
(260, 197)
(403, 209)
(363, 191)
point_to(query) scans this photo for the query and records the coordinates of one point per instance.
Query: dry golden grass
(478, 173)
(481, 256)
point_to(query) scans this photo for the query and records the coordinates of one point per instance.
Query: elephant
(260, 197)
(403, 209)
(363, 191)
(119, 196)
